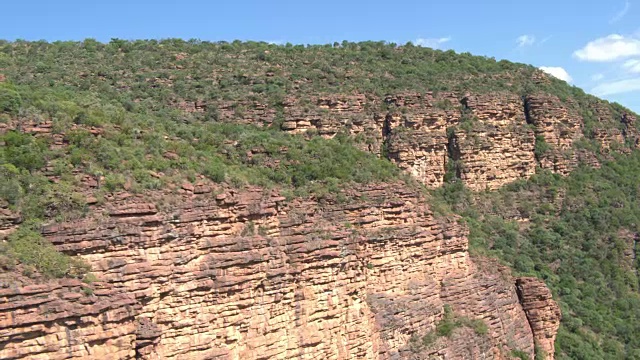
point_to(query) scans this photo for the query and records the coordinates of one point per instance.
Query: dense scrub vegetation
(580, 236)
(116, 107)
(150, 76)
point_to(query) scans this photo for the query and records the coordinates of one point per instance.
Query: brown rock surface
(65, 319)
(630, 131)
(248, 276)
(560, 125)
(217, 273)
(543, 313)
(416, 133)
(494, 145)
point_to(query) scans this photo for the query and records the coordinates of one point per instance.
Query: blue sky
(594, 44)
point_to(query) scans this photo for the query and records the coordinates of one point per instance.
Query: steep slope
(579, 234)
(229, 196)
(248, 275)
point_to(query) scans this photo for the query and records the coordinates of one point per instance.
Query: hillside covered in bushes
(81, 122)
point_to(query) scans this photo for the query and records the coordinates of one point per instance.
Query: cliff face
(558, 125)
(65, 319)
(228, 275)
(215, 273)
(416, 134)
(542, 311)
(486, 140)
(494, 146)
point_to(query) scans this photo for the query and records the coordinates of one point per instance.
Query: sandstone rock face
(65, 319)
(559, 125)
(485, 140)
(422, 132)
(330, 114)
(326, 115)
(416, 134)
(543, 313)
(630, 131)
(212, 273)
(248, 275)
(494, 145)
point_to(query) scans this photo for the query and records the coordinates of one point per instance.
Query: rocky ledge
(248, 275)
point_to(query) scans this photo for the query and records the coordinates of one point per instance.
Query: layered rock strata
(65, 319)
(415, 134)
(493, 145)
(485, 140)
(251, 276)
(557, 127)
(543, 313)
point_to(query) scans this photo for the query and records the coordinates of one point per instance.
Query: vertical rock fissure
(527, 115)
(453, 156)
(521, 301)
(542, 313)
(386, 136)
(529, 121)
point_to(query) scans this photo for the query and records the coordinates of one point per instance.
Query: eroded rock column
(542, 312)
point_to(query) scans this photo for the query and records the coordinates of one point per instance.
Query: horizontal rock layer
(248, 275)
(65, 319)
(543, 313)
(484, 140)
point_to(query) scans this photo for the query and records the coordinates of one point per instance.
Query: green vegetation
(152, 77)
(451, 322)
(10, 100)
(520, 355)
(541, 147)
(445, 328)
(32, 250)
(118, 111)
(580, 237)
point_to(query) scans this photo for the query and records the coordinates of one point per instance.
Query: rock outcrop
(210, 272)
(557, 127)
(251, 276)
(543, 313)
(415, 134)
(494, 146)
(65, 319)
(485, 140)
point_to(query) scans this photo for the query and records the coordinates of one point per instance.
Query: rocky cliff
(212, 272)
(217, 273)
(138, 157)
(484, 140)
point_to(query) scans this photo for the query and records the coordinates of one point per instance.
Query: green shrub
(10, 188)
(32, 249)
(10, 100)
(541, 147)
(24, 151)
(520, 354)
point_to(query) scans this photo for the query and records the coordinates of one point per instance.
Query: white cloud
(597, 77)
(620, 14)
(545, 39)
(632, 66)
(276, 42)
(433, 42)
(617, 87)
(525, 40)
(557, 71)
(609, 48)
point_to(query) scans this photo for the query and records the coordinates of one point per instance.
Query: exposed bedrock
(248, 275)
